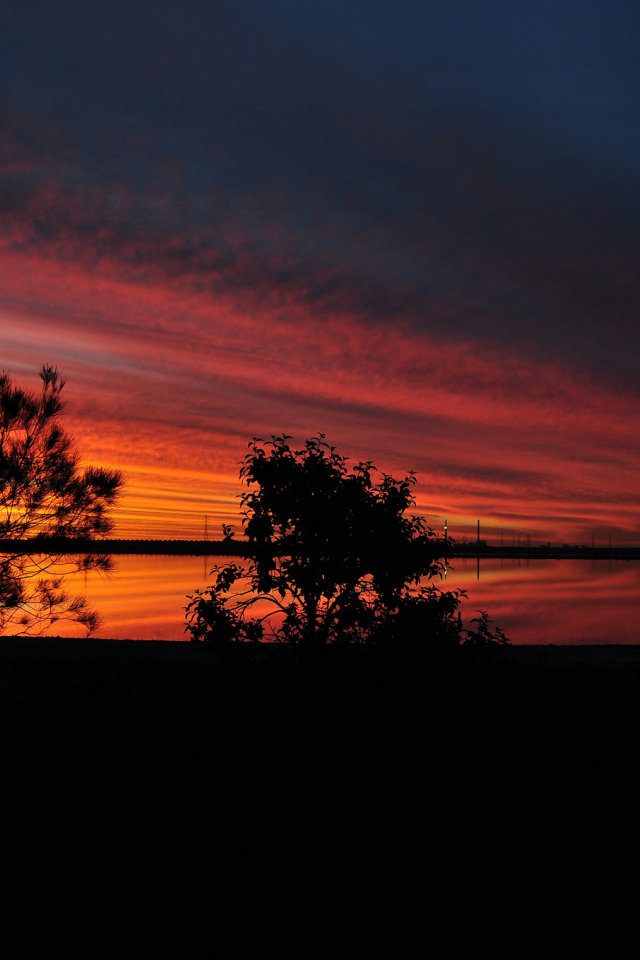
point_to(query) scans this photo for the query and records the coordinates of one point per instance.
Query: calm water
(536, 601)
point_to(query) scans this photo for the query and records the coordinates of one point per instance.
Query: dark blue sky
(568, 70)
(403, 149)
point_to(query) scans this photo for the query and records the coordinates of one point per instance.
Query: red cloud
(170, 382)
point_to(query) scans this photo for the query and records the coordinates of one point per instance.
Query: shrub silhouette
(333, 558)
(45, 495)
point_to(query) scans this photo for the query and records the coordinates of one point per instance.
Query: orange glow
(543, 601)
(143, 599)
(553, 601)
(169, 383)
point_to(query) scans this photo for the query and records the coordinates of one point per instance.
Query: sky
(412, 227)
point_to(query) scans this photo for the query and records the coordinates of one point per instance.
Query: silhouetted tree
(44, 494)
(334, 557)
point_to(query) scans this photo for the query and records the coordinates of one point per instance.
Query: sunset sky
(412, 226)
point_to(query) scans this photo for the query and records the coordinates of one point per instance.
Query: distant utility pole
(478, 531)
(206, 528)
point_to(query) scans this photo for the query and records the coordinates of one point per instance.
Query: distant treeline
(239, 548)
(184, 547)
(544, 551)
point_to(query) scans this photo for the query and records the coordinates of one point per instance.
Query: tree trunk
(311, 632)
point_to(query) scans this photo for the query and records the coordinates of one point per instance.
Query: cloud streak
(487, 430)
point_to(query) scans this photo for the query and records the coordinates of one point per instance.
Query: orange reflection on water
(553, 601)
(143, 598)
(536, 601)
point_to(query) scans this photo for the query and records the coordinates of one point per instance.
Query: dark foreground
(350, 792)
(142, 733)
(538, 712)
(134, 678)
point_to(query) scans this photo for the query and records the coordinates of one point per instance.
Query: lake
(533, 601)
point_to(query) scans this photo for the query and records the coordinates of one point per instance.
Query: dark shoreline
(205, 548)
(238, 548)
(565, 552)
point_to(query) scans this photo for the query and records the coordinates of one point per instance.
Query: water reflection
(553, 601)
(35, 594)
(534, 601)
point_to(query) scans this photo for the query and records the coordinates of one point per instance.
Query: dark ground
(416, 799)
(539, 716)
(165, 734)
